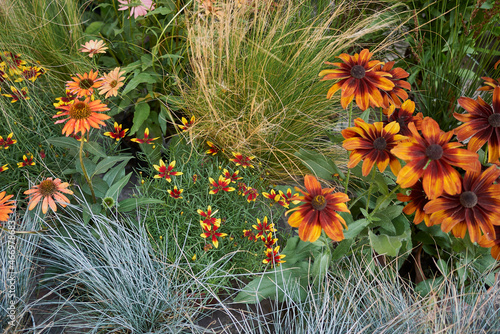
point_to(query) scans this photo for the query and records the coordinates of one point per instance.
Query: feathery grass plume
(255, 86)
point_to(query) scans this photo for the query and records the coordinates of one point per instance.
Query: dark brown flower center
(318, 202)
(494, 120)
(113, 83)
(434, 151)
(47, 188)
(358, 71)
(468, 199)
(79, 110)
(86, 83)
(380, 143)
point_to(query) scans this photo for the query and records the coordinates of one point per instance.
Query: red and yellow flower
(3, 168)
(319, 211)
(273, 257)
(359, 78)
(175, 193)
(417, 200)
(214, 149)
(404, 116)
(166, 171)
(398, 94)
(373, 144)
(263, 228)
(186, 124)
(146, 139)
(477, 204)
(494, 244)
(210, 231)
(83, 85)
(30, 73)
(249, 234)
(481, 124)
(17, 95)
(431, 157)
(241, 160)
(6, 206)
(208, 216)
(118, 133)
(233, 177)
(273, 196)
(49, 192)
(6, 143)
(251, 194)
(27, 161)
(65, 100)
(221, 184)
(82, 115)
(269, 240)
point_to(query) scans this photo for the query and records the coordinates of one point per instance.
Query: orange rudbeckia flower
(481, 124)
(81, 116)
(477, 205)
(372, 143)
(431, 157)
(319, 211)
(404, 116)
(417, 200)
(359, 78)
(83, 85)
(397, 95)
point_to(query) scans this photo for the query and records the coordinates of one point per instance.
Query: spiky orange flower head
(112, 81)
(6, 206)
(359, 78)
(477, 204)
(319, 211)
(397, 95)
(372, 143)
(83, 85)
(431, 157)
(494, 244)
(481, 124)
(417, 200)
(93, 47)
(49, 191)
(82, 115)
(404, 116)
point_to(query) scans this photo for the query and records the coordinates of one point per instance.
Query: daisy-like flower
(27, 161)
(93, 47)
(241, 187)
(210, 231)
(6, 206)
(65, 100)
(481, 124)
(274, 197)
(477, 204)
(269, 240)
(3, 168)
(208, 216)
(372, 143)
(489, 84)
(17, 95)
(118, 133)
(404, 116)
(263, 228)
(166, 171)
(12, 62)
(241, 160)
(195, 178)
(82, 115)
(233, 177)
(214, 149)
(289, 198)
(494, 244)
(431, 157)
(359, 78)
(221, 184)
(186, 124)
(273, 256)
(49, 192)
(6, 143)
(146, 139)
(140, 10)
(111, 82)
(249, 234)
(417, 200)
(398, 94)
(319, 211)
(83, 85)
(175, 193)
(251, 194)
(30, 73)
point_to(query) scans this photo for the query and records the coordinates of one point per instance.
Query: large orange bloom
(397, 95)
(372, 143)
(49, 191)
(494, 244)
(83, 85)
(477, 204)
(404, 116)
(417, 201)
(6, 206)
(481, 124)
(359, 78)
(81, 116)
(319, 211)
(431, 157)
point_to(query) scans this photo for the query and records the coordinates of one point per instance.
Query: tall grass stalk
(254, 85)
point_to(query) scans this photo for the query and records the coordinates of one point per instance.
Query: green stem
(85, 171)
(383, 200)
(485, 159)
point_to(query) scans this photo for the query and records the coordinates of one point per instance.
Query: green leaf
(116, 188)
(130, 204)
(319, 164)
(355, 228)
(146, 61)
(88, 164)
(95, 149)
(138, 79)
(94, 28)
(384, 244)
(342, 248)
(105, 164)
(140, 115)
(115, 173)
(429, 285)
(64, 142)
(297, 250)
(321, 264)
(159, 10)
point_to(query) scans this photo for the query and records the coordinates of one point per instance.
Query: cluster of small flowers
(14, 69)
(264, 233)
